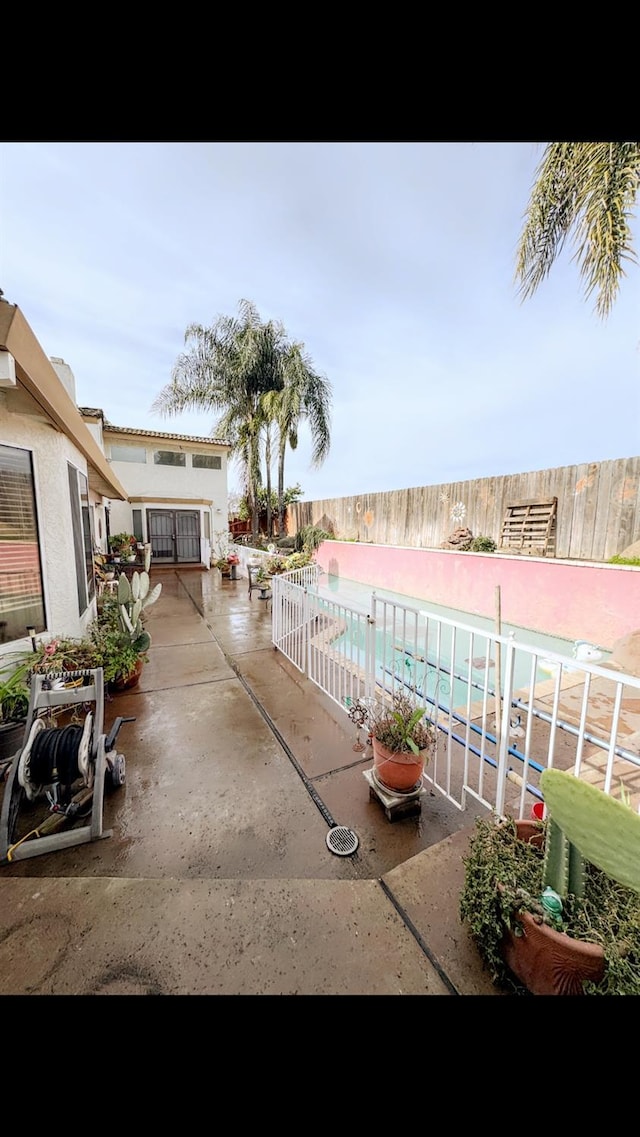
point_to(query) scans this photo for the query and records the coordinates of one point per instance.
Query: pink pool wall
(574, 600)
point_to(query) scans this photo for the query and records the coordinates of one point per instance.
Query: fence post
(370, 652)
(305, 633)
(503, 751)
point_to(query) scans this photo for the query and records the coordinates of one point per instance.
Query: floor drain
(342, 841)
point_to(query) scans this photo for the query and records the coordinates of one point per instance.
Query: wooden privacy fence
(597, 513)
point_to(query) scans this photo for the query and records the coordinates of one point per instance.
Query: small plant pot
(132, 680)
(11, 738)
(400, 772)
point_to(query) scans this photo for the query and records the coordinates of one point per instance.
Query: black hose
(54, 756)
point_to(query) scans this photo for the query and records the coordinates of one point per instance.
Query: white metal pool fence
(502, 710)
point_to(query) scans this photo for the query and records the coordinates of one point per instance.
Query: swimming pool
(444, 662)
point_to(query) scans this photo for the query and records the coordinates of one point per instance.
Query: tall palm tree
(305, 396)
(228, 368)
(588, 189)
(267, 410)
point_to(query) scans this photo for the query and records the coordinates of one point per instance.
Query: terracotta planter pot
(132, 680)
(545, 961)
(400, 772)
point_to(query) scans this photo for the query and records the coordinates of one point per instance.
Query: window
(207, 525)
(169, 458)
(128, 453)
(21, 594)
(136, 523)
(82, 536)
(206, 462)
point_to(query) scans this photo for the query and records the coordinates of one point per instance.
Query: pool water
(474, 657)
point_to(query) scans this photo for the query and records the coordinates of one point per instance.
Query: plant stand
(396, 805)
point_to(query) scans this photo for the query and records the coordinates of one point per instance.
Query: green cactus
(592, 826)
(133, 598)
(563, 869)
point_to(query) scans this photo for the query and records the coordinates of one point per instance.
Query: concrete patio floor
(217, 877)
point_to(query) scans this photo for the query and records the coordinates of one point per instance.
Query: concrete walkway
(217, 877)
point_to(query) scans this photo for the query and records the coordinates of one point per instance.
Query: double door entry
(174, 535)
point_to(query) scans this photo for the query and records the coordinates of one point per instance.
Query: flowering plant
(401, 727)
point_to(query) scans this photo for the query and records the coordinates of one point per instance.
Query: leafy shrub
(298, 560)
(482, 545)
(14, 692)
(310, 537)
(623, 560)
(276, 565)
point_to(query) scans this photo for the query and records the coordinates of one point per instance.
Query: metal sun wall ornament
(358, 715)
(458, 512)
(444, 497)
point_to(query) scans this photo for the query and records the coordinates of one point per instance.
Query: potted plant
(134, 597)
(276, 565)
(14, 701)
(117, 654)
(554, 906)
(123, 546)
(64, 653)
(402, 740)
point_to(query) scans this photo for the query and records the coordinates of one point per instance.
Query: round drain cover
(342, 841)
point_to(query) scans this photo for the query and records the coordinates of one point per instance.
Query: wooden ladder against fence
(530, 527)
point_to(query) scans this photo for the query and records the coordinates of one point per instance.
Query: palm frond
(585, 190)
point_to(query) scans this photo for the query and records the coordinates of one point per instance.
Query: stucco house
(53, 477)
(68, 478)
(176, 489)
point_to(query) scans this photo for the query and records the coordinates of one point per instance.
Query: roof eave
(35, 372)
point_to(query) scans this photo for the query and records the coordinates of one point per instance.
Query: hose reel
(56, 758)
(68, 765)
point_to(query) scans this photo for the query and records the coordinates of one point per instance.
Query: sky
(393, 263)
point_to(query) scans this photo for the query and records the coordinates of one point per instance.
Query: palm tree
(267, 410)
(228, 368)
(588, 188)
(305, 396)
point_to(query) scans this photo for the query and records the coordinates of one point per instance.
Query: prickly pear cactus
(563, 869)
(133, 597)
(603, 830)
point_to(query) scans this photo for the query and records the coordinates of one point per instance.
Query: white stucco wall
(95, 428)
(65, 375)
(51, 452)
(167, 482)
(170, 487)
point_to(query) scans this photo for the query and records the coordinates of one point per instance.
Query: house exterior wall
(152, 486)
(167, 482)
(51, 452)
(576, 601)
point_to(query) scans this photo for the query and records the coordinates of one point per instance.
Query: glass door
(174, 535)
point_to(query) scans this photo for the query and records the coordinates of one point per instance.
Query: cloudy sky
(393, 262)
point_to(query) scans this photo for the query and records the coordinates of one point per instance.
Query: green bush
(310, 537)
(623, 560)
(482, 545)
(275, 565)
